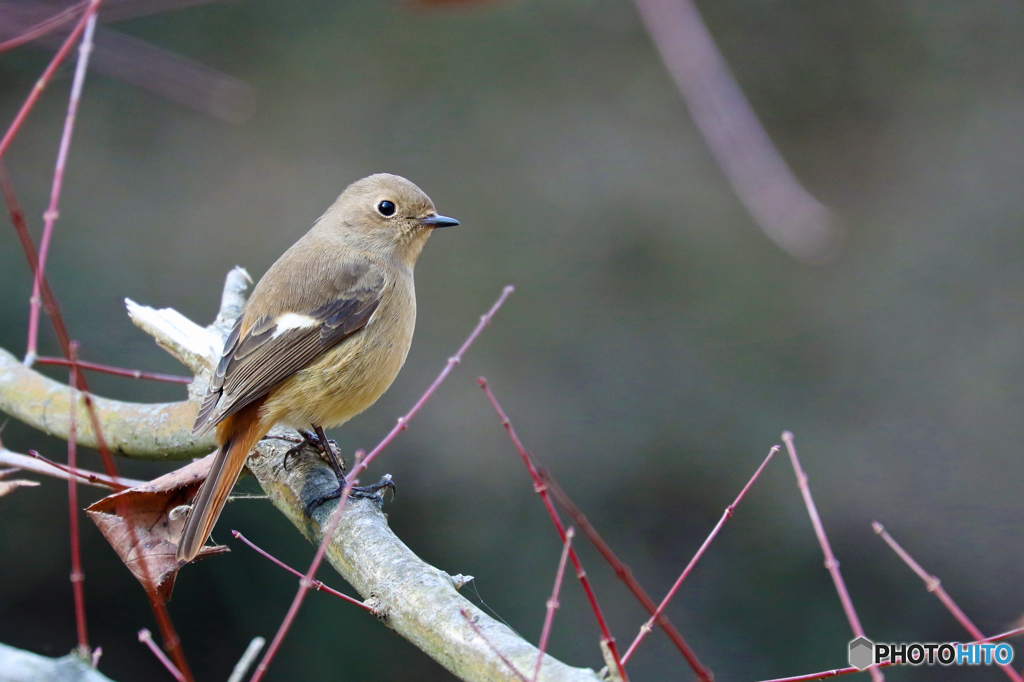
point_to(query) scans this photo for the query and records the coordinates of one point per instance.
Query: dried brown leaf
(143, 524)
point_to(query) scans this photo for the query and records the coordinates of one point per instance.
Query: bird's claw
(368, 492)
(330, 452)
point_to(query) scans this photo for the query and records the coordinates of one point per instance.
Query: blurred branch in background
(130, 59)
(786, 212)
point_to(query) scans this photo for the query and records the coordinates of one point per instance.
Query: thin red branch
(41, 287)
(358, 467)
(41, 84)
(53, 311)
(85, 476)
(21, 227)
(541, 489)
(147, 638)
(17, 216)
(316, 584)
(403, 422)
(831, 563)
(825, 674)
(479, 633)
(726, 515)
(552, 604)
(172, 643)
(117, 371)
(77, 574)
(847, 671)
(307, 580)
(50, 216)
(933, 585)
(624, 573)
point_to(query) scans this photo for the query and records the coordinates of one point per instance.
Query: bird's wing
(260, 353)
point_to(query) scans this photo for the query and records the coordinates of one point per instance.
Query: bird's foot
(368, 492)
(327, 448)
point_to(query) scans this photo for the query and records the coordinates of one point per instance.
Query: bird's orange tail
(237, 435)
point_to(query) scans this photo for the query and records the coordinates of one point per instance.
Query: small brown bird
(322, 336)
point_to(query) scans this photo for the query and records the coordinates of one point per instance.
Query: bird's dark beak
(438, 221)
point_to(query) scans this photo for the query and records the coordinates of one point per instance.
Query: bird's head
(388, 214)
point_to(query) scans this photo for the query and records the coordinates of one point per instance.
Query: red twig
(624, 573)
(552, 605)
(316, 584)
(307, 580)
(51, 68)
(847, 671)
(50, 217)
(541, 489)
(117, 485)
(831, 563)
(933, 585)
(47, 25)
(147, 638)
(53, 311)
(77, 575)
(646, 628)
(479, 633)
(403, 422)
(359, 466)
(171, 641)
(117, 371)
(41, 288)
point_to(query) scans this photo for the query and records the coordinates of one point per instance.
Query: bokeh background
(656, 346)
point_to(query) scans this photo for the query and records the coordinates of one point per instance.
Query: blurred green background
(656, 345)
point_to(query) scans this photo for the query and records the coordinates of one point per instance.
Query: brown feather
(238, 434)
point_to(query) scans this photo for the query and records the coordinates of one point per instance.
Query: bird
(323, 335)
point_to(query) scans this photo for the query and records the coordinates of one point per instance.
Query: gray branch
(413, 598)
(418, 601)
(24, 666)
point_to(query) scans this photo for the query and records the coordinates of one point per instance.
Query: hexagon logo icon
(862, 652)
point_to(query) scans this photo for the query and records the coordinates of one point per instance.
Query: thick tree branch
(24, 666)
(139, 430)
(413, 598)
(418, 601)
(146, 431)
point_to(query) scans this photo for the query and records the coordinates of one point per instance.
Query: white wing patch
(290, 321)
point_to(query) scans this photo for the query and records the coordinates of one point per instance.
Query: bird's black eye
(386, 208)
